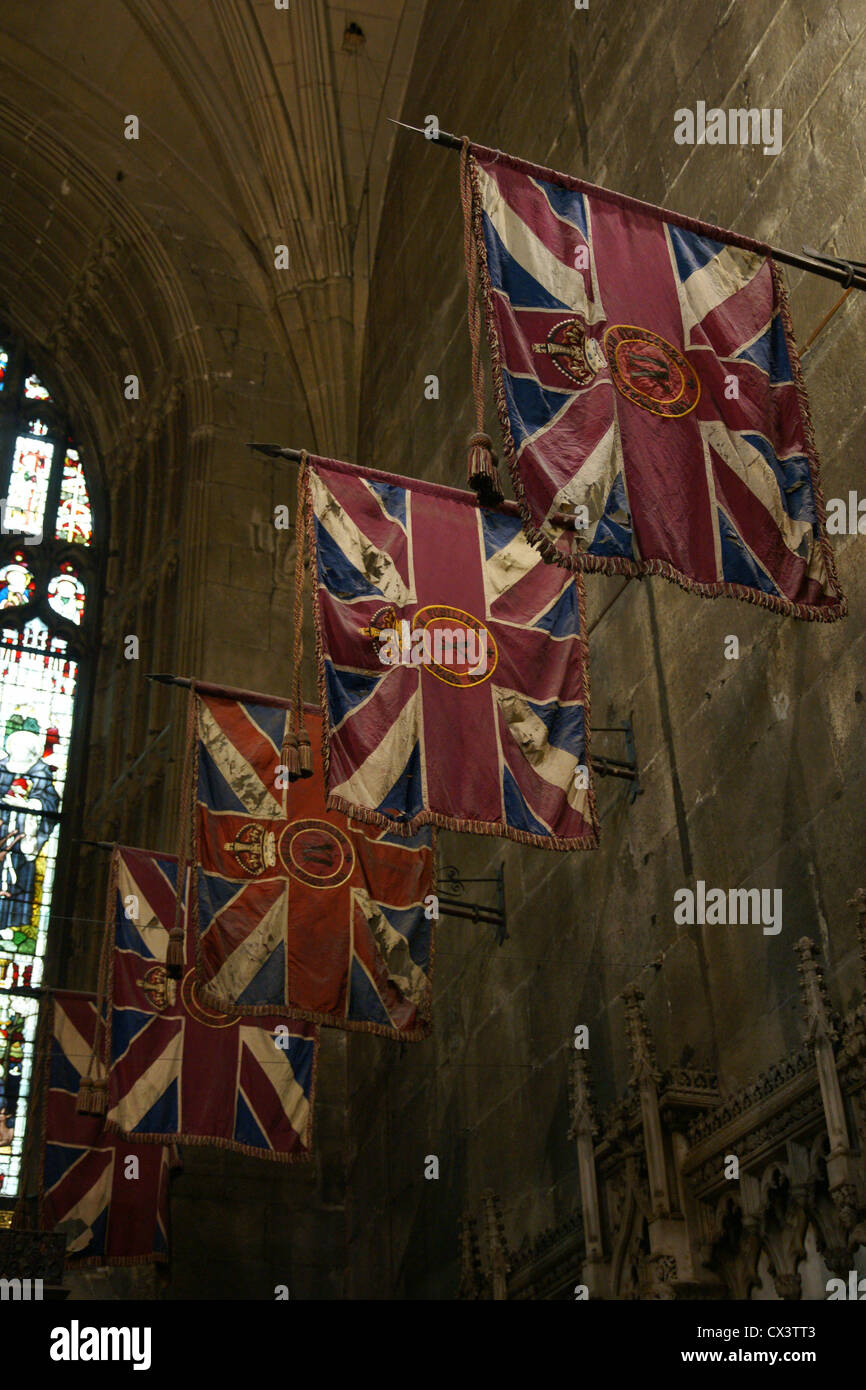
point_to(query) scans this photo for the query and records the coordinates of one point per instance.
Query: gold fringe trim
(206, 1142)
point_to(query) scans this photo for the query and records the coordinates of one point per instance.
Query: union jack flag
(452, 663)
(112, 1211)
(180, 1067)
(297, 907)
(649, 391)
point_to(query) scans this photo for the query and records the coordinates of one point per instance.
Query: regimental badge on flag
(180, 1067)
(649, 392)
(113, 1210)
(297, 907)
(452, 663)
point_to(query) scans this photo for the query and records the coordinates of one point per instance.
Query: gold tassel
(289, 755)
(305, 753)
(99, 1097)
(482, 470)
(85, 1089)
(174, 954)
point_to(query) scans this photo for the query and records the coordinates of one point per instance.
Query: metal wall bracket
(614, 767)
(450, 904)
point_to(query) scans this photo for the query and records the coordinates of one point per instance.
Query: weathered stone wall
(752, 770)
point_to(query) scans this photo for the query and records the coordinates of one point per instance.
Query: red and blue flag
(649, 392)
(181, 1068)
(452, 663)
(299, 908)
(111, 1209)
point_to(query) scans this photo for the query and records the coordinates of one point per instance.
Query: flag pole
(277, 451)
(850, 274)
(231, 692)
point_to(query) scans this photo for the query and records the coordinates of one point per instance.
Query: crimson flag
(113, 1210)
(297, 907)
(180, 1067)
(649, 391)
(452, 663)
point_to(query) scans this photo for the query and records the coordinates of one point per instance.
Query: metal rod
(96, 844)
(604, 768)
(488, 916)
(847, 273)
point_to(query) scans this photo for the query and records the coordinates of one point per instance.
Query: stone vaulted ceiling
(258, 127)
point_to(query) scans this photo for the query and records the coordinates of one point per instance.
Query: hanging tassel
(483, 473)
(85, 1089)
(174, 954)
(99, 1097)
(483, 470)
(289, 754)
(305, 753)
(296, 753)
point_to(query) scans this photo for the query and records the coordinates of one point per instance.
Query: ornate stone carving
(81, 298)
(472, 1282)
(666, 1214)
(497, 1247)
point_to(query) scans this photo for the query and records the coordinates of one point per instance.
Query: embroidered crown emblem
(254, 847)
(577, 356)
(155, 986)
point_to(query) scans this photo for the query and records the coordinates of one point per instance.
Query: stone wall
(752, 770)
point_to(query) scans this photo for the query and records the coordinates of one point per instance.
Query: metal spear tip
(444, 137)
(273, 451)
(164, 677)
(277, 451)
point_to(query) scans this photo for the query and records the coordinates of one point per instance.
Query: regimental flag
(649, 390)
(452, 663)
(297, 907)
(180, 1067)
(113, 1210)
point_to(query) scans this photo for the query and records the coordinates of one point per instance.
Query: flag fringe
(79, 1261)
(305, 1155)
(616, 564)
(347, 1025)
(469, 827)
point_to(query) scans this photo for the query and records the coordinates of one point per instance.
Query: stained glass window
(17, 584)
(19, 1015)
(74, 522)
(4, 363)
(46, 509)
(28, 486)
(66, 594)
(34, 390)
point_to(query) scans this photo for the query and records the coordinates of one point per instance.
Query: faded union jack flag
(112, 1211)
(298, 908)
(649, 392)
(179, 1066)
(452, 663)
